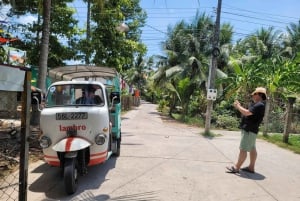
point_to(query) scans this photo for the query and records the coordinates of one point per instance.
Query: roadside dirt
(10, 145)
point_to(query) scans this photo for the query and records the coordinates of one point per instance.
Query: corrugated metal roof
(81, 71)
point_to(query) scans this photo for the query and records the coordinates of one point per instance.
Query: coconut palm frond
(173, 70)
(172, 89)
(220, 74)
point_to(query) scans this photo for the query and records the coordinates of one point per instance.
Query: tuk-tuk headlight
(100, 139)
(45, 142)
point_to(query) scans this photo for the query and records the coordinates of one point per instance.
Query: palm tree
(188, 50)
(138, 73)
(291, 40)
(257, 55)
(225, 39)
(43, 60)
(264, 43)
(185, 72)
(87, 49)
(269, 66)
(241, 78)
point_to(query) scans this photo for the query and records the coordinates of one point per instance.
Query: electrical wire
(155, 32)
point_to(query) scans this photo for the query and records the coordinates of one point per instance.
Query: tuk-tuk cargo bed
(81, 71)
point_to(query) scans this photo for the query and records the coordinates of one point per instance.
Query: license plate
(71, 115)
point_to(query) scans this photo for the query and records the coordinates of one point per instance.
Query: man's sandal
(232, 170)
(247, 169)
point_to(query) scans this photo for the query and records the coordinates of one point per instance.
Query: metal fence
(9, 166)
(13, 176)
(129, 101)
(277, 123)
(14, 144)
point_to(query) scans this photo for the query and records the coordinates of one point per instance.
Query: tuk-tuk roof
(81, 71)
(79, 82)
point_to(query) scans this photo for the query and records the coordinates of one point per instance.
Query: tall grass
(293, 142)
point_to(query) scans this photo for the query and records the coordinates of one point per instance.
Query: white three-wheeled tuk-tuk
(80, 123)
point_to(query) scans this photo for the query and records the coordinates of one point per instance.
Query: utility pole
(211, 91)
(88, 32)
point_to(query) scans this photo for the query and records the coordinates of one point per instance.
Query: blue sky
(246, 16)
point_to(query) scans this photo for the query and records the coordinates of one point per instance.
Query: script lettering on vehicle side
(73, 127)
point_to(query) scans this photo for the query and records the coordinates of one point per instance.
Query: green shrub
(162, 105)
(276, 122)
(226, 121)
(195, 121)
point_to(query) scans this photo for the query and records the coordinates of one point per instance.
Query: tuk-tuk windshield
(74, 94)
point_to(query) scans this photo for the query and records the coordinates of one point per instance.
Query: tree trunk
(288, 119)
(88, 32)
(43, 60)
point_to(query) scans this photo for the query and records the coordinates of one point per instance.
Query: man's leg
(243, 147)
(241, 159)
(253, 152)
(253, 156)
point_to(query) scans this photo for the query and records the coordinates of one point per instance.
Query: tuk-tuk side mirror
(115, 97)
(36, 97)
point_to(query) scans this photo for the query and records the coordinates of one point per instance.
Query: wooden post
(288, 118)
(266, 116)
(25, 131)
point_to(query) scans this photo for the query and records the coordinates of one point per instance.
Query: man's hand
(236, 104)
(240, 108)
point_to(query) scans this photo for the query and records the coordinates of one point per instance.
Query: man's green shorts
(248, 141)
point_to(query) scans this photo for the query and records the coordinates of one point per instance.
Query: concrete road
(168, 161)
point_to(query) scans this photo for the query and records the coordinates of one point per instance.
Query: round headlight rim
(45, 142)
(100, 137)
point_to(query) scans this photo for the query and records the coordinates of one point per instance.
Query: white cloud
(20, 20)
(26, 19)
(3, 11)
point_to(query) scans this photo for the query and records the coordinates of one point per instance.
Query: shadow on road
(255, 176)
(155, 113)
(88, 195)
(51, 181)
(252, 176)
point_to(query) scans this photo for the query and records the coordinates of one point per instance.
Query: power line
(256, 23)
(262, 13)
(155, 29)
(252, 17)
(169, 13)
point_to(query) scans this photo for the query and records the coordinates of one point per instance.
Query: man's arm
(241, 109)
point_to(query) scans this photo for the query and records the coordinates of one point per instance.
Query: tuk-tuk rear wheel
(117, 148)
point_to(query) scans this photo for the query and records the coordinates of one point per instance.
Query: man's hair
(90, 88)
(263, 96)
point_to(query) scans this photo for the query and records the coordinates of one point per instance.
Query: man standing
(251, 119)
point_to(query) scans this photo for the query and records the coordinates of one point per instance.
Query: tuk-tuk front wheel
(70, 175)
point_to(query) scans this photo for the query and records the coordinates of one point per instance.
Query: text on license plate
(71, 115)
